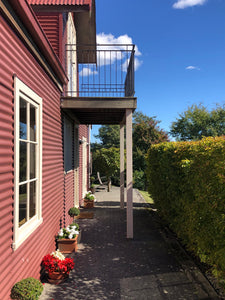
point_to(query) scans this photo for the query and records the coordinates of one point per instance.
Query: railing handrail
(102, 62)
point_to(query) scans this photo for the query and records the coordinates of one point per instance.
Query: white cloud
(103, 38)
(181, 4)
(192, 68)
(137, 64)
(87, 72)
(119, 43)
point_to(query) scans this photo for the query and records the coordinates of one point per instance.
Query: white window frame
(84, 166)
(20, 234)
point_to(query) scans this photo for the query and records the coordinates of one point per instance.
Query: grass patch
(146, 196)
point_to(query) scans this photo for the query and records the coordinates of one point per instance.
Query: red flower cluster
(53, 264)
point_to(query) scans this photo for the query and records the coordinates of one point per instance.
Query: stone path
(108, 266)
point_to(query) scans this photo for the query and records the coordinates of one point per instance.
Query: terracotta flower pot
(67, 245)
(57, 277)
(88, 203)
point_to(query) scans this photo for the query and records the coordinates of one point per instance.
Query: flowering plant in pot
(89, 200)
(57, 266)
(67, 238)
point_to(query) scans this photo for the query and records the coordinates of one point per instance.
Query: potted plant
(92, 188)
(74, 212)
(57, 266)
(67, 238)
(89, 199)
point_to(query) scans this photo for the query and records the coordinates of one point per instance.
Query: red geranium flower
(52, 263)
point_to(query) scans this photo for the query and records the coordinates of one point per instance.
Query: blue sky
(182, 46)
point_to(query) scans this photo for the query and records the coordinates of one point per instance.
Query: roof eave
(85, 23)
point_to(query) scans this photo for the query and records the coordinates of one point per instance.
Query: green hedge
(187, 183)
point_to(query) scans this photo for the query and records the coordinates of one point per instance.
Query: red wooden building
(49, 97)
(41, 175)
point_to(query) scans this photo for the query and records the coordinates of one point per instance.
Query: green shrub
(187, 183)
(73, 211)
(27, 289)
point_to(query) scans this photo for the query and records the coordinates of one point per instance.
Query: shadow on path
(108, 266)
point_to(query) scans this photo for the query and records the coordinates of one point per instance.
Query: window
(84, 166)
(27, 162)
(68, 147)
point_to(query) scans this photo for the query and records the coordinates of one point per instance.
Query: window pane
(23, 205)
(32, 123)
(23, 119)
(23, 161)
(32, 199)
(68, 134)
(32, 161)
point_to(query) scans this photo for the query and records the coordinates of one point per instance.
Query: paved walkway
(108, 266)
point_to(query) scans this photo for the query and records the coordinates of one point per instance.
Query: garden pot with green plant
(67, 238)
(92, 188)
(74, 212)
(89, 200)
(57, 266)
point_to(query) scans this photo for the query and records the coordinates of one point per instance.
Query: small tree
(109, 136)
(197, 122)
(107, 162)
(146, 132)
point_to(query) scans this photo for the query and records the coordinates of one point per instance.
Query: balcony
(104, 85)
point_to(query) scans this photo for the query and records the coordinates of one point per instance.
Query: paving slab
(109, 266)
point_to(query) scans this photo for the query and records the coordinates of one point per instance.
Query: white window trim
(20, 234)
(84, 166)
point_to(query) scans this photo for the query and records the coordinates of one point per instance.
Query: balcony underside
(98, 110)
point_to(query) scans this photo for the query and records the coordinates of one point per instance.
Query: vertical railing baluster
(99, 67)
(116, 71)
(99, 76)
(82, 55)
(110, 69)
(104, 73)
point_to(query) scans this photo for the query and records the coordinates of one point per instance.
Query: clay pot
(67, 245)
(57, 277)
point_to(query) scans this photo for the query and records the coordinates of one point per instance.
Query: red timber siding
(25, 261)
(83, 132)
(50, 23)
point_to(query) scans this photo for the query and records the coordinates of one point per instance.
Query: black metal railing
(105, 71)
